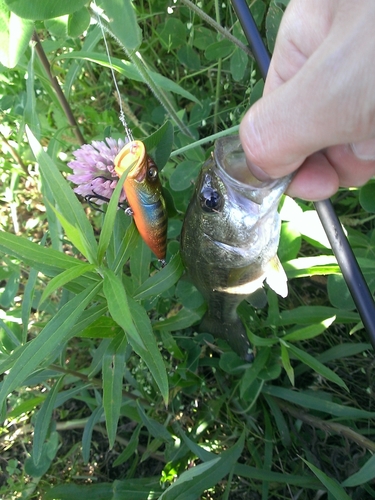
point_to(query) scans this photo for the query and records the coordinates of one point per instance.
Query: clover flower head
(94, 169)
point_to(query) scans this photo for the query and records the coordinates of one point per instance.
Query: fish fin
(258, 299)
(276, 277)
(233, 332)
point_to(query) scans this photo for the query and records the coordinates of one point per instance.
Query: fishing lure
(144, 196)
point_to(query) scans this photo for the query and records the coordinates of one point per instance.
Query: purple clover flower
(94, 169)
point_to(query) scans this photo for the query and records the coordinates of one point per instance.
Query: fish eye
(211, 200)
(152, 173)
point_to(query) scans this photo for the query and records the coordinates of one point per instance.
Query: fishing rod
(340, 246)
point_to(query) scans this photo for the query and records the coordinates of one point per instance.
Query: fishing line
(122, 118)
(343, 252)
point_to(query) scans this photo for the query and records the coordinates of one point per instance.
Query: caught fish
(230, 238)
(144, 195)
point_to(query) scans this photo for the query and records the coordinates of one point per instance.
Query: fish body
(229, 240)
(144, 195)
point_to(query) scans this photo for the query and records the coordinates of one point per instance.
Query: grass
(88, 411)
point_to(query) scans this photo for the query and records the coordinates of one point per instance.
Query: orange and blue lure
(144, 196)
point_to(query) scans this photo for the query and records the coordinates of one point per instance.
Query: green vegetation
(108, 391)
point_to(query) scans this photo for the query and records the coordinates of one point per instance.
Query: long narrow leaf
(66, 200)
(43, 421)
(113, 372)
(162, 280)
(54, 335)
(365, 474)
(119, 308)
(332, 485)
(315, 364)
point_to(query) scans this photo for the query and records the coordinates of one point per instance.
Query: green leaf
(238, 64)
(193, 482)
(273, 20)
(140, 263)
(290, 242)
(113, 372)
(123, 23)
(331, 484)
(94, 418)
(365, 474)
(313, 363)
(103, 328)
(286, 363)
(310, 331)
(252, 371)
(276, 477)
(305, 315)
(109, 219)
(189, 57)
(183, 319)
(119, 308)
(218, 50)
(162, 280)
(58, 26)
(78, 22)
(43, 421)
(129, 70)
(367, 197)
(162, 142)
(184, 175)
(339, 294)
(42, 9)
(133, 489)
(15, 35)
(316, 403)
(65, 277)
(154, 428)
(30, 115)
(68, 204)
(130, 449)
(311, 266)
(151, 354)
(49, 340)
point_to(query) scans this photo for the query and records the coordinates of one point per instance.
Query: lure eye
(211, 200)
(152, 173)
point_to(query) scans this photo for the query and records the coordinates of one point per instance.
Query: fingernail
(257, 171)
(364, 150)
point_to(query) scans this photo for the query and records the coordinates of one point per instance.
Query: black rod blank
(340, 246)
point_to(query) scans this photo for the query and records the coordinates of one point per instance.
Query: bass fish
(143, 192)
(229, 240)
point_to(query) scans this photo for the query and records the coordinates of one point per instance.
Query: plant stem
(330, 427)
(16, 157)
(217, 27)
(56, 86)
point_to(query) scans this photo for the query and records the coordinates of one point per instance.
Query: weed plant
(108, 389)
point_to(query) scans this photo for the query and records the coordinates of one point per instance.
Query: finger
(315, 180)
(351, 170)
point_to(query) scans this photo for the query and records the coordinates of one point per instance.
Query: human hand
(317, 113)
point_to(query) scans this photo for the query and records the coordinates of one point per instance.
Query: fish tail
(230, 329)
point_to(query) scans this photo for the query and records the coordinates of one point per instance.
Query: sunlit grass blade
(193, 482)
(331, 484)
(276, 477)
(311, 266)
(313, 363)
(162, 280)
(49, 340)
(310, 331)
(113, 373)
(252, 371)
